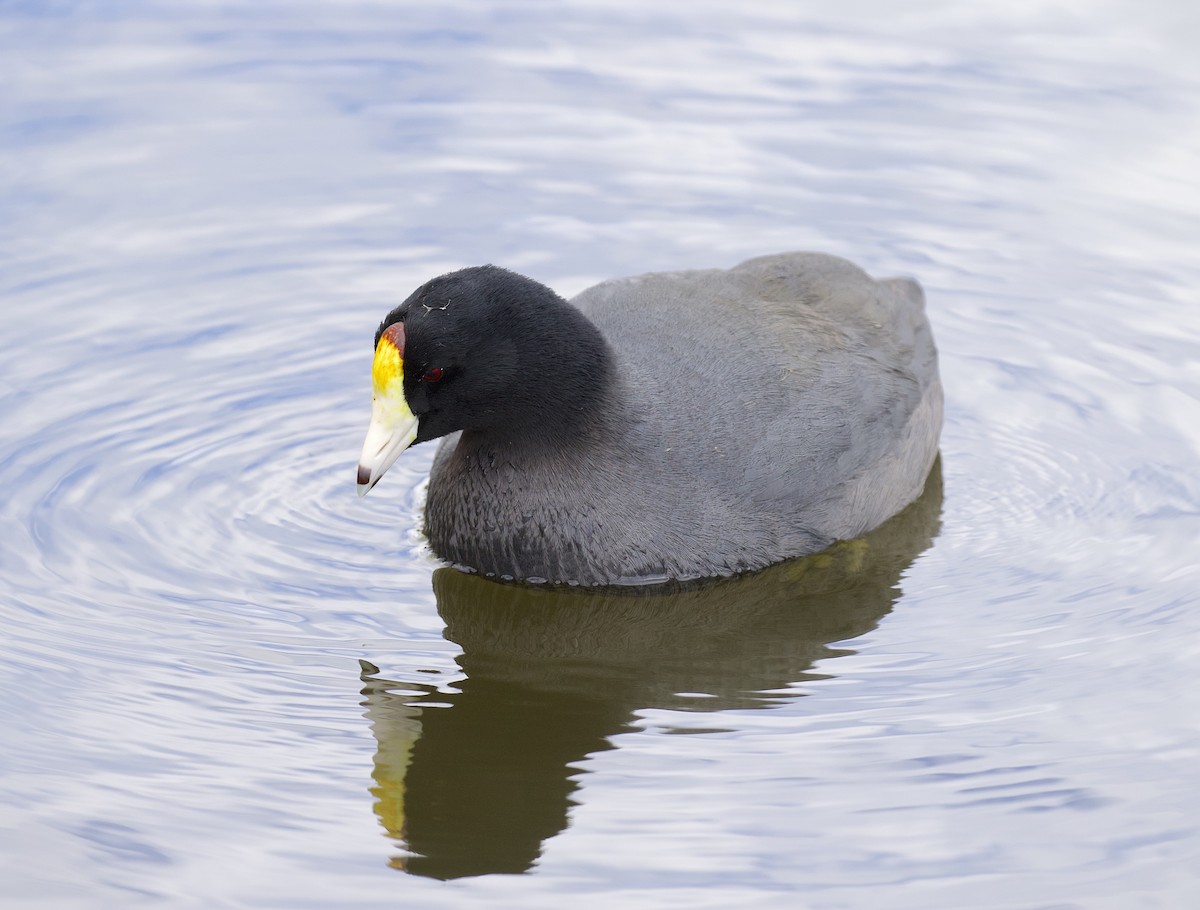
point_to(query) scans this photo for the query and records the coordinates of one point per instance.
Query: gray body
(755, 414)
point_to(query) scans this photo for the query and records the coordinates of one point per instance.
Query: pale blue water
(208, 207)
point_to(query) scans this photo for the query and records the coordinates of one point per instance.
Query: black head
(487, 349)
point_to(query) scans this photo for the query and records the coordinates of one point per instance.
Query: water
(207, 209)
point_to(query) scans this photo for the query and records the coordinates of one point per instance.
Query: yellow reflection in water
(475, 780)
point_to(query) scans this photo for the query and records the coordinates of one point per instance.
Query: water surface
(988, 703)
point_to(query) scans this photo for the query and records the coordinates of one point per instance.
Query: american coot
(666, 426)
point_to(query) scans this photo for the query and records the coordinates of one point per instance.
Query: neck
(566, 422)
(564, 388)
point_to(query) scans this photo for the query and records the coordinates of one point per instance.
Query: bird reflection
(474, 780)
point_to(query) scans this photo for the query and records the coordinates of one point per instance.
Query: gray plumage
(746, 416)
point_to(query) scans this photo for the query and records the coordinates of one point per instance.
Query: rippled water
(225, 681)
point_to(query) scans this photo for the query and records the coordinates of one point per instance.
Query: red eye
(433, 374)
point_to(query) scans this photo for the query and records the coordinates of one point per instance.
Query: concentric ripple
(1050, 438)
(209, 462)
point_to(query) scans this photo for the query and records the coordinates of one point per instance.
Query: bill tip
(363, 480)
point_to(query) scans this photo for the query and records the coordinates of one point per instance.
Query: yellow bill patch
(387, 372)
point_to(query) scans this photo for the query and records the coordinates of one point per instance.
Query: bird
(670, 426)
